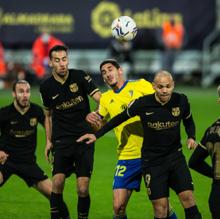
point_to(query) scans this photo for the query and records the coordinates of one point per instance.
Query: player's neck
(119, 85)
(20, 109)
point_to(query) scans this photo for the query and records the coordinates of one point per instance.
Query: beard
(22, 106)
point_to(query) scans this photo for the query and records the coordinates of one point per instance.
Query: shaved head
(163, 74)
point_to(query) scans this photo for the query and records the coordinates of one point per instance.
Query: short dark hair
(56, 49)
(18, 82)
(111, 61)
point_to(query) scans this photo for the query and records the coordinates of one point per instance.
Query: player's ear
(50, 63)
(120, 71)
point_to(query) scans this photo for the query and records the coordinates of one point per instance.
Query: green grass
(18, 201)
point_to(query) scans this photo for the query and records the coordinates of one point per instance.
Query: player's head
(21, 93)
(163, 84)
(59, 60)
(112, 73)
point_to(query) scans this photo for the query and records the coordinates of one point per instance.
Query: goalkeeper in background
(129, 134)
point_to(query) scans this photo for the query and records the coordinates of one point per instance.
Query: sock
(54, 206)
(64, 212)
(192, 213)
(171, 214)
(83, 207)
(120, 217)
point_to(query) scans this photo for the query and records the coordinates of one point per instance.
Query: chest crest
(73, 87)
(175, 111)
(33, 121)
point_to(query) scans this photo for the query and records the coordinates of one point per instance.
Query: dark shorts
(74, 158)
(128, 174)
(173, 173)
(30, 173)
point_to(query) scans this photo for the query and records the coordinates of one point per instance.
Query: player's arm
(3, 157)
(197, 161)
(114, 122)
(48, 129)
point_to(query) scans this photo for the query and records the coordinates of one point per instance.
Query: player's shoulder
(35, 106)
(179, 96)
(79, 74)
(138, 82)
(46, 83)
(6, 109)
(107, 94)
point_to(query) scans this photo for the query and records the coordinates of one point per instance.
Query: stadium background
(85, 28)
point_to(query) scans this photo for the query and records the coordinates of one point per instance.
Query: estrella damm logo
(102, 17)
(73, 87)
(33, 121)
(176, 111)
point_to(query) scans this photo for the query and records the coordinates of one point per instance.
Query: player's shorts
(74, 158)
(30, 173)
(128, 174)
(173, 173)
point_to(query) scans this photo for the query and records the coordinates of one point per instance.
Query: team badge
(176, 111)
(73, 87)
(33, 121)
(88, 78)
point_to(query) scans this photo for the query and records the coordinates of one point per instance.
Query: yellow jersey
(129, 134)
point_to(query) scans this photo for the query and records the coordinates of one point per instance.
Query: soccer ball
(124, 28)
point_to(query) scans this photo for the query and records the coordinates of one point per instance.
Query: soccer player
(129, 134)
(18, 128)
(66, 103)
(210, 146)
(163, 163)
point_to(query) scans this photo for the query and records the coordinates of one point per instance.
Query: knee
(187, 199)
(160, 209)
(119, 208)
(58, 184)
(83, 191)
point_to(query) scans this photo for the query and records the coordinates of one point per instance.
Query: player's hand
(90, 138)
(48, 152)
(191, 143)
(94, 120)
(3, 157)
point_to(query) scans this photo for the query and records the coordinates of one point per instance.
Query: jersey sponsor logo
(13, 122)
(33, 121)
(73, 87)
(69, 104)
(162, 125)
(176, 111)
(149, 113)
(54, 97)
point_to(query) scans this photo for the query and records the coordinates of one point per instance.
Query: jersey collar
(119, 90)
(59, 79)
(19, 109)
(158, 100)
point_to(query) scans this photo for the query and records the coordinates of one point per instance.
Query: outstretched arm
(114, 122)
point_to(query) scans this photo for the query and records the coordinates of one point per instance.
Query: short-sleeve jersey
(69, 103)
(161, 123)
(211, 143)
(19, 132)
(129, 134)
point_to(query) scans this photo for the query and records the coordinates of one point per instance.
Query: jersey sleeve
(44, 98)
(89, 85)
(134, 107)
(102, 110)
(186, 107)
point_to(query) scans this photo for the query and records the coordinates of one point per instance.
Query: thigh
(179, 175)
(156, 181)
(214, 201)
(5, 172)
(64, 161)
(84, 158)
(128, 175)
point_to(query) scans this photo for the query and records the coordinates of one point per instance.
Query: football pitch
(17, 201)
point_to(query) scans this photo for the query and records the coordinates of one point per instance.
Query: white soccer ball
(124, 28)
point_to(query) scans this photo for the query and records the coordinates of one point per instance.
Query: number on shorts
(120, 170)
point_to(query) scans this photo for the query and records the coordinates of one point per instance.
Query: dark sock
(120, 217)
(192, 213)
(83, 207)
(54, 206)
(64, 212)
